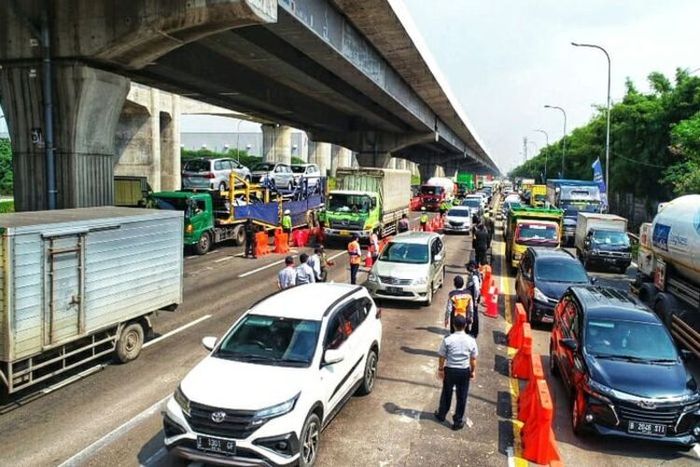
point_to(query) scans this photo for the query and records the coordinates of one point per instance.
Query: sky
(505, 59)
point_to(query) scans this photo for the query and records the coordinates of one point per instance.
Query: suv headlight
(599, 391)
(539, 296)
(421, 281)
(261, 416)
(372, 277)
(182, 401)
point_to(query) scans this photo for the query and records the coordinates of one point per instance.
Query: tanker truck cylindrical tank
(676, 236)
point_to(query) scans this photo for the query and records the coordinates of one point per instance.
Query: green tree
(5, 167)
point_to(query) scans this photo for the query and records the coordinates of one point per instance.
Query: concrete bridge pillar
(321, 155)
(277, 143)
(427, 170)
(374, 159)
(341, 157)
(87, 103)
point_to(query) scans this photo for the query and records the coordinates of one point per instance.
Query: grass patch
(7, 205)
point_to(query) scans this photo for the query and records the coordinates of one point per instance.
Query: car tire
(429, 296)
(576, 421)
(129, 343)
(553, 368)
(310, 441)
(204, 244)
(370, 375)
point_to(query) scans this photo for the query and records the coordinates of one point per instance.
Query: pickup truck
(601, 239)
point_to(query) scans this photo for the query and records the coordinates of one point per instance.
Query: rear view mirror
(331, 356)
(569, 343)
(209, 343)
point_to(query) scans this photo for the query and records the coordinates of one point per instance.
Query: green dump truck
(465, 183)
(366, 200)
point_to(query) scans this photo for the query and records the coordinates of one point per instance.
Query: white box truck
(79, 284)
(602, 239)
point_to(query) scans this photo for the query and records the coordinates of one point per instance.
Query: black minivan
(622, 370)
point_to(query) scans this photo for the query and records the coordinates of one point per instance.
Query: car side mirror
(209, 343)
(439, 257)
(569, 343)
(594, 280)
(332, 356)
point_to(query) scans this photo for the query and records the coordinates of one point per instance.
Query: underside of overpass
(346, 72)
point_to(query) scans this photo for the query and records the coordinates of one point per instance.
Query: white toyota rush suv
(276, 378)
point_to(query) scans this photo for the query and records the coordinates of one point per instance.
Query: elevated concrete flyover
(349, 73)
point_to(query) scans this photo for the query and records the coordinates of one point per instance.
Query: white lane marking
(82, 456)
(176, 330)
(157, 455)
(262, 268)
(221, 260)
(696, 450)
(511, 458)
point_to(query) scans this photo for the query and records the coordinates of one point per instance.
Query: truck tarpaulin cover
(268, 213)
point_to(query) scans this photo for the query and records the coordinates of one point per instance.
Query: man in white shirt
(315, 263)
(305, 275)
(456, 366)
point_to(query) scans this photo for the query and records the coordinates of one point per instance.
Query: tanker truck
(668, 277)
(435, 191)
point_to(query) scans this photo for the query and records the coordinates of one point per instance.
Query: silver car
(308, 172)
(211, 174)
(458, 220)
(411, 267)
(278, 173)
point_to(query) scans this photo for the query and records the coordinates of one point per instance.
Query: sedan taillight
(208, 175)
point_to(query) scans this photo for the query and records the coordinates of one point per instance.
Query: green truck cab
(366, 200)
(465, 183)
(527, 226)
(200, 230)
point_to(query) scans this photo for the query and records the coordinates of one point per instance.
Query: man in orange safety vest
(355, 254)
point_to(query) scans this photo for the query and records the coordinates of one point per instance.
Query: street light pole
(563, 139)
(238, 138)
(546, 139)
(607, 130)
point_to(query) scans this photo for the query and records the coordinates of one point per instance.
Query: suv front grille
(236, 423)
(394, 280)
(346, 225)
(662, 415)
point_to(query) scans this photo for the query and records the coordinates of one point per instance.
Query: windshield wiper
(629, 358)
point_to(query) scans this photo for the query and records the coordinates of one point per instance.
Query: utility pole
(525, 148)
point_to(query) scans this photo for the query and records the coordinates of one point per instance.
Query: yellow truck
(538, 195)
(527, 226)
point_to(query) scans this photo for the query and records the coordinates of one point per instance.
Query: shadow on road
(427, 353)
(434, 329)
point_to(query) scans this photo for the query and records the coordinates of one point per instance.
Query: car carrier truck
(668, 277)
(79, 284)
(367, 200)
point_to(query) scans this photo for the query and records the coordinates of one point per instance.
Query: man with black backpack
(459, 302)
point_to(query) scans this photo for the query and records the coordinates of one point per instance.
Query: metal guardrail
(686, 335)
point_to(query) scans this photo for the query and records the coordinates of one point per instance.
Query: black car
(621, 369)
(543, 276)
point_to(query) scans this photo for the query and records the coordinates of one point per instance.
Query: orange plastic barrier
(486, 273)
(515, 334)
(521, 361)
(539, 444)
(300, 237)
(261, 244)
(368, 261)
(492, 303)
(281, 242)
(528, 397)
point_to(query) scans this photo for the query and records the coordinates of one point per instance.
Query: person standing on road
(456, 366)
(480, 243)
(423, 219)
(305, 275)
(250, 238)
(404, 224)
(355, 254)
(287, 277)
(474, 289)
(315, 262)
(374, 246)
(459, 303)
(287, 224)
(443, 208)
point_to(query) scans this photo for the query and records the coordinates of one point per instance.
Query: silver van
(211, 174)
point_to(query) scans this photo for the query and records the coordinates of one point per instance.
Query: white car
(483, 200)
(411, 267)
(276, 378)
(458, 219)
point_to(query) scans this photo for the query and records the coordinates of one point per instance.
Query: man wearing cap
(456, 366)
(355, 254)
(287, 224)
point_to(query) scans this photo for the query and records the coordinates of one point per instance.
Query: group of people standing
(458, 351)
(310, 269)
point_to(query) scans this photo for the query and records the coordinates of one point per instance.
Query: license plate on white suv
(218, 445)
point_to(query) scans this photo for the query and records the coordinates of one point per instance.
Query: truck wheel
(204, 244)
(238, 235)
(129, 343)
(647, 293)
